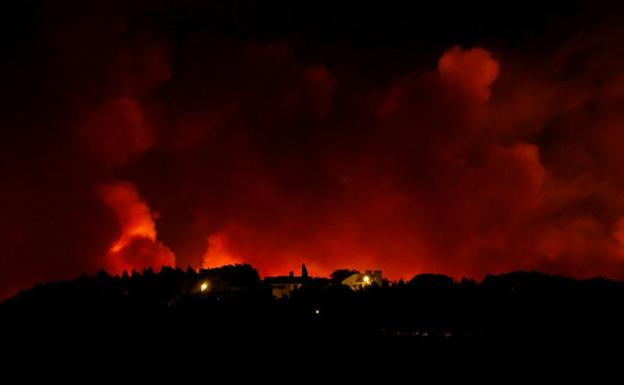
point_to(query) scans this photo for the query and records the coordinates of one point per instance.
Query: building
(283, 286)
(358, 281)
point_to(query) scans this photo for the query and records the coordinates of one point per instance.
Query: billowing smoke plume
(458, 159)
(136, 248)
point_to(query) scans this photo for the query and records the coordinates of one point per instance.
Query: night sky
(405, 136)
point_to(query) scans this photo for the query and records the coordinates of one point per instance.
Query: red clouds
(438, 180)
(137, 247)
(117, 132)
(276, 153)
(472, 70)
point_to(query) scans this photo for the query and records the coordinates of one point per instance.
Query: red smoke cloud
(137, 247)
(441, 181)
(275, 154)
(218, 252)
(117, 131)
(473, 70)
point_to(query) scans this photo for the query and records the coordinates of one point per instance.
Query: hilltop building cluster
(283, 286)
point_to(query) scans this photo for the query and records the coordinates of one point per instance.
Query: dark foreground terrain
(237, 318)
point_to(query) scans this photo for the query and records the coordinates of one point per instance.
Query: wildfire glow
(217, 252)
(137, 247)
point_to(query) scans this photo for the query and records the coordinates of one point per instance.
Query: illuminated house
(283, 286)
(357, 281)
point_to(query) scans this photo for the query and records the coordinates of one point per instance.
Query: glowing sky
(409, 139)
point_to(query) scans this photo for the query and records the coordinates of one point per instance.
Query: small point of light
(204, 286)
(367, 279)
(317, 312)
